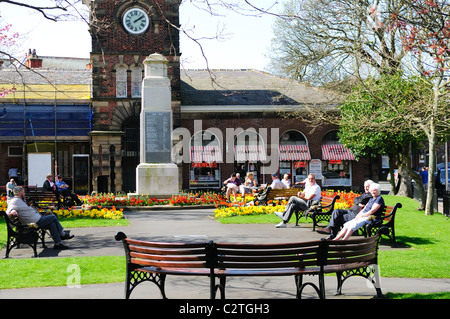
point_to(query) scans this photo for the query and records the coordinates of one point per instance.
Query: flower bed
(84, 212)
(240, 207)
(99, 206)
(183, 199)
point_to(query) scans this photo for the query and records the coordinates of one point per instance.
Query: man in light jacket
(29, 215)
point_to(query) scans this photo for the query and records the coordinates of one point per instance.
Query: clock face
(136, 21)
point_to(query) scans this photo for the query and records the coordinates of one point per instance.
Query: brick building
(232, 120)
(241, 115)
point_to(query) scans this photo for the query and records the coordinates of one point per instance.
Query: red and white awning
(208, 154)
(251, 153)
(336, 152)
(294, 153)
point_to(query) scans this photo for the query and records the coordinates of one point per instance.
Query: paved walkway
(197, 225)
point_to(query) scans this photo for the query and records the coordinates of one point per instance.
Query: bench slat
(168, 258)
(176, 271)
(155, 263)
(260, 252)
(164, 245)
(269, 246)
(170, 251)
(243, 265)
(344, 261)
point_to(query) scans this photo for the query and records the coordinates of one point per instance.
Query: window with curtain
(136, 82)
(121, 82)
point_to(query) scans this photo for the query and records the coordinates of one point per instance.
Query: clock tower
(124, 34)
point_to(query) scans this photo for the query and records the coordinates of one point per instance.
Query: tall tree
(321, 41)
(373, 122)
(426, 34)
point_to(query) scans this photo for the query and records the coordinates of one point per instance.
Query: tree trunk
(392, 174)
(405, 181)
(429, 207)
(417, 178)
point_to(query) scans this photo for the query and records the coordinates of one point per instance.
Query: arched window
(121, 82)
(336, 161)
(294, 156)
(249, 154)
(136, 82)
(205, 159)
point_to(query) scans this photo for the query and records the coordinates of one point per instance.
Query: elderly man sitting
(27, 215)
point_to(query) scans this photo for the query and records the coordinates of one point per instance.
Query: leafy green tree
(373, 122)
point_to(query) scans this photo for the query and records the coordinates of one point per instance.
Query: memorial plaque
(157, 128)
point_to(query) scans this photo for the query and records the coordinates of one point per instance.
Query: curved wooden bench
(153, 261)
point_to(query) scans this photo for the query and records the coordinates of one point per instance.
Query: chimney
(33, 61)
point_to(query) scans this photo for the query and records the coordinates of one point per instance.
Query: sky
(245, 45)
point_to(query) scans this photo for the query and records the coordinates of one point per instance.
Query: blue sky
(245, 45)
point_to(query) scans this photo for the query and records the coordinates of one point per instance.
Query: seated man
(26, 214)
(340, 216)
(276, 183)
(50, 186)
(63, 189)
(310, 194)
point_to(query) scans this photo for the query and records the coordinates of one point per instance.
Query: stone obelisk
(156, 175)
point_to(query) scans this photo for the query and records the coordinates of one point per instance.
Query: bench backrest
(167, 255)
(389, 212)
(249, 256)
(259, 256)
(352, 250)
(285, 192)
(328, 202)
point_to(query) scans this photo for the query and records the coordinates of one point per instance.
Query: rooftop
(247, 87)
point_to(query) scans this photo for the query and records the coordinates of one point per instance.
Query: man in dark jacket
(50, 186)
(340, 216)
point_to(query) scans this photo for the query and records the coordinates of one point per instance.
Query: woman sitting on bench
(373, 209)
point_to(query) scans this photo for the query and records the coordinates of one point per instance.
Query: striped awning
(336, 152)
(294, 153)
(251, 153)
(208, 154)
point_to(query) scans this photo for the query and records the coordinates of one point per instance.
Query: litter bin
(446, 202)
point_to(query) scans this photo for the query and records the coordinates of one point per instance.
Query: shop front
(336, 165)
(294, 156)
(249, 154)
(205, 162)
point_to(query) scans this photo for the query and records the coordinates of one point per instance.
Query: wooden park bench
(153, 261)
(18, 234)
(318, 213)
(276, 194)
(42, 199)
(387, 222)
(27, 187)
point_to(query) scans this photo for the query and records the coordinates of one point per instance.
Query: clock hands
(138, 19)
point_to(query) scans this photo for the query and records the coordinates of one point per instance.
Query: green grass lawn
(424, 243)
